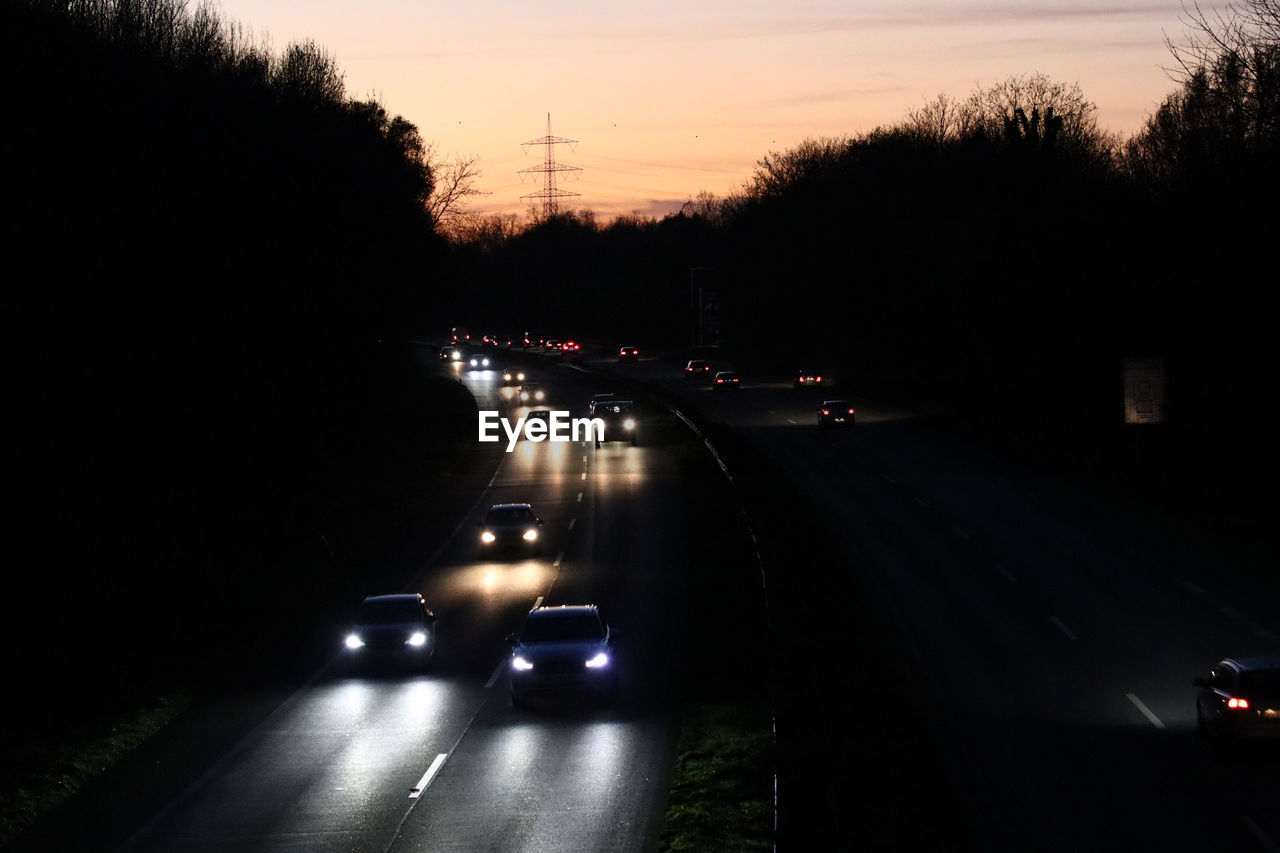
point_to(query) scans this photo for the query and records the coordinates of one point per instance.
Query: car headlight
(487, 537)
(601, 659)
(629, 424)
(417, 638)
(539, 395)
(484, 362)
(354, 641)
(520, 664)
(520, 376)
(530, 535)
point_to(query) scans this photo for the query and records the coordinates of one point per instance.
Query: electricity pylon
(549, 168)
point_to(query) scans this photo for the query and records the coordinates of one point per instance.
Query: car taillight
(1237, 702)
(718, 381)
(826, 412)
(851, 411)
(819, 379)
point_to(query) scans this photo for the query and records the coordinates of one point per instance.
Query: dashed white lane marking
(417, 790)
(584, 475)
(537, 602)
(1263, 838)
(1146, 712)
(584, 459)
(579, 497)
(924, 503)
(960, 532)
(891, 481)
(790, 421)
(1006, 573)
(497, 673)
(1063, 628)
(572, 522)
(559, 557)
(1198, 590)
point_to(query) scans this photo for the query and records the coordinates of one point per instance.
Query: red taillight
(719, 380)
(851, 411)
(1236, 702)
(801, 380)
(819, 379)
(825, 412)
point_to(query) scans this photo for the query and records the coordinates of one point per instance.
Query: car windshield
(562, 628)
(1261, 682)
(388, 612)
(509, 515)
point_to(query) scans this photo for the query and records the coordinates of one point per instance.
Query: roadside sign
(1144, 390)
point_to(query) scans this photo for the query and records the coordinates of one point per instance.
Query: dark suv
(620, 422)
(562, 649)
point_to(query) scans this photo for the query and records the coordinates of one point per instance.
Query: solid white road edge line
(428, 776)
(1146, 712)
(1063, 628)
(1262, 837)
(497, 673)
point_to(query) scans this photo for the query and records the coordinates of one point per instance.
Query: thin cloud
(890, 17)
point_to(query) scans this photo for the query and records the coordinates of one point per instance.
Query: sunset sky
(667, 99)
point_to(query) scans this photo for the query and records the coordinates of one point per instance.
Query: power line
(549, 169)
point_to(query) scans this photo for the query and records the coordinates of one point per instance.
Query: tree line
(1001, 252)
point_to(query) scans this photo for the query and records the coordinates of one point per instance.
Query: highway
(1048, 637)
(439, 759)
(1024, 683)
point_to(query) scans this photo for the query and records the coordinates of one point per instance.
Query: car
(725, 380)
(510, 527)
(835, 413)
(451, 353)
(551, 344)
(541, 415)
(807, 379)
(562, 649)
(533, 392)
(697, 367)
(628, 354)
(596, 399)
(396, 629)
(479, 362)
(513, 376)
(620, 422)
(1239, 700)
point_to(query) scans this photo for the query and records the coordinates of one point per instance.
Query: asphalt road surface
(1051, 635)
(438, 759)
